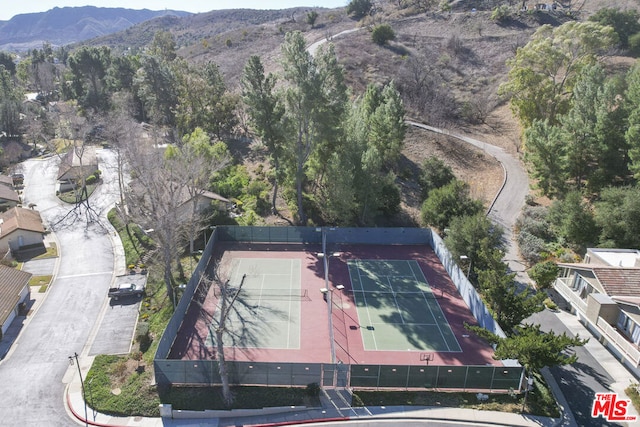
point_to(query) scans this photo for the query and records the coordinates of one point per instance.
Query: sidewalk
(333, 411)
(324, 415)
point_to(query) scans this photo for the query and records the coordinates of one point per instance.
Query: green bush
(312, 17)
(544, 273)
(142, 336)
(501, 13)
(91, 179)
(434, 174)
(550, 304)
(634, 44)
(382, 34)
(359, 8)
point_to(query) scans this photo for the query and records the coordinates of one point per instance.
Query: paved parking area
(115, 335)
(40, 267)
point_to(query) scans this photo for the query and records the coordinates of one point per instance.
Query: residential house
(199, 201)
(603, 291)
(9, 198)
(20, 228)
(76, 165)
(14, 291)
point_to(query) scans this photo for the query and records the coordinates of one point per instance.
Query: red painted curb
(80, 418)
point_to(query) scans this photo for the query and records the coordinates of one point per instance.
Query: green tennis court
(397, 309)
(269, 306)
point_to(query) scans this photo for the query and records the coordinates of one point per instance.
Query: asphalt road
(507, 205)
(579, 382)
(33, 376)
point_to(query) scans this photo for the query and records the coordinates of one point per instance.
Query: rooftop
(12, 282)
(22, 219)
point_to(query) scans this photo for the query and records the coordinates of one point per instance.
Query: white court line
(290, 302)
(395, 300)
(375, 343)
(411, 264)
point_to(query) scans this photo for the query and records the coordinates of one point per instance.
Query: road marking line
(85, 275)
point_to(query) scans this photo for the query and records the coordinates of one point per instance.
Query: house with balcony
(603, 291)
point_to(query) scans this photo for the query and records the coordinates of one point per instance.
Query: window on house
(581, 286)
(622, 321)
(635, 334)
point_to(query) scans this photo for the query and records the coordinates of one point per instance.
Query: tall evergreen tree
(315, 103)
(266, 112)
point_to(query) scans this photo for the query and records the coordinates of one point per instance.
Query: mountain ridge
(66, 25)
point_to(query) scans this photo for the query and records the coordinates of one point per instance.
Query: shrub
(382, 34)
(534, 220)
(501, 13)
(531, 247)
(91, 179)
(312, 17)
(445, 6)
(435, 174)
(544, 273)
(634, 44)
(633, 391)
(550, 304)
(142, 336)
(359, 8)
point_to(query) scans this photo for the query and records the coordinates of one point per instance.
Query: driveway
(40, 267)
(38, 366)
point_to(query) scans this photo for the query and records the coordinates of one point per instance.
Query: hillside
(62, 26)
(447, 65)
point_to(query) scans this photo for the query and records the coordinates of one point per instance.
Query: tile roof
(12, 282)
(6, 180)
(20, 219)
(8, 193)
(72, 161)
(619, 281)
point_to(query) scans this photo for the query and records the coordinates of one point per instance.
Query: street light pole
(84, 395)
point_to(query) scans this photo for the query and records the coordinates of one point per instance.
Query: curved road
(509, 201)
(34, 373)
(577, 384)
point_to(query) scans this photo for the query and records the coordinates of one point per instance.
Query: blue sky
(11, 8)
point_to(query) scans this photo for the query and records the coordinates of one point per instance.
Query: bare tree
(163, 193)
(236, 320)
(120, 129)
(77, 160)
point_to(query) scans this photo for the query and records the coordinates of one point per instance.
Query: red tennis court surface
(193, 342)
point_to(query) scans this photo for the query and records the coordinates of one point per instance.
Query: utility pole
(84, 395)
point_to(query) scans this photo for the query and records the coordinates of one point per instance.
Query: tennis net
(270, 294)
(434, 294)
